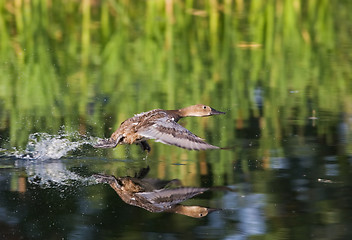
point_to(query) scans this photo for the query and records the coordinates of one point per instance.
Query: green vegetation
(281, 69)
(88, 65)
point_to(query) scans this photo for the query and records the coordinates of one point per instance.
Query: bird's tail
(105, 143)
(100, 178)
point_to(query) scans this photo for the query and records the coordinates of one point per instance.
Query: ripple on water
(44, 146)
(40, 159)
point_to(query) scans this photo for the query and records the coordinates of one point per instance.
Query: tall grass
(88, 65)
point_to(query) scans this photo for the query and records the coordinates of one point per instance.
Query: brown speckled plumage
(162, 126)
(153, 194)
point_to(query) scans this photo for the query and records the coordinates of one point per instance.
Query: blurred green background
(87, 65)
(280, 69)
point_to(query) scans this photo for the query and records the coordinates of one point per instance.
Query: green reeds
(91, 64)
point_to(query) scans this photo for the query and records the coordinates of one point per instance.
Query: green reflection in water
(88, 65)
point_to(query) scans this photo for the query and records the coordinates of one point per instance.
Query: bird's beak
(210, 210)
(215, 112)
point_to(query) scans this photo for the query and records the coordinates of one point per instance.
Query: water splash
(54, 174)
(42, 159)
(44, 146)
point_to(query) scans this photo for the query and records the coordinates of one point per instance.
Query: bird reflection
(155, 195)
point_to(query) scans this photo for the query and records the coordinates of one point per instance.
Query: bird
(155, 195)
(162, 126)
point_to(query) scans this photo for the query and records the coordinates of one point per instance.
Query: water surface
(73, 71)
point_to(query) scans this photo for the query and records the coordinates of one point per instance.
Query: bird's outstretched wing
(169, 197)
(167, 131)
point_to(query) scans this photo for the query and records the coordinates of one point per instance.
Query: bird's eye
(204, 107)
(200, 215)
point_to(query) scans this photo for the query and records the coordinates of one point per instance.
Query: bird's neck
(176, 114)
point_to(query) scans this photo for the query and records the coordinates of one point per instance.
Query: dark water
(72, 71)
(301, 190)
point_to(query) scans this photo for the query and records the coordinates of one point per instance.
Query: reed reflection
(156, 195)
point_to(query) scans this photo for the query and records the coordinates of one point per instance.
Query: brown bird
(154, 194)
(162, 126)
